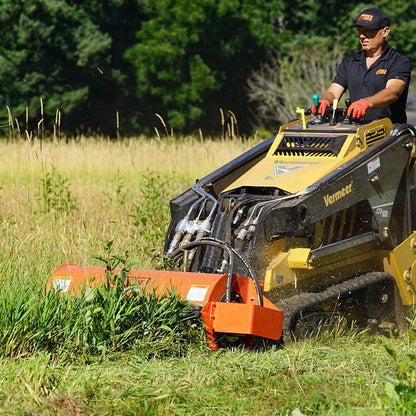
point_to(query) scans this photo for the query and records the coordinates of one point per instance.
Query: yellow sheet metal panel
(296, 169)
(278, 272)
(299, 258)
(401, 263)
(373, 132)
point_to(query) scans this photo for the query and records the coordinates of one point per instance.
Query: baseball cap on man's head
(372, 18)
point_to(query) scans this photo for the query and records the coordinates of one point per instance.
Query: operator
(377, 77)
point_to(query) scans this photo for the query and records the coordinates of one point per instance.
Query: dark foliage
(183, 60)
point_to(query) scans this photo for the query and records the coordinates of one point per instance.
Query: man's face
(372, 39)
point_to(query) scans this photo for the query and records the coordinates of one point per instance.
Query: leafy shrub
(117, 197)
(401, 387)
(53, 193)
(150, 215)
(286, 82)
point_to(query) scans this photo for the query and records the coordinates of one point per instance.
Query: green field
(68, 202)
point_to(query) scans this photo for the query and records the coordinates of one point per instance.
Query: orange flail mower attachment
(241, 317)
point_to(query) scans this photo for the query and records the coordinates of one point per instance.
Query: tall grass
(107, 190)
(60, 202)
(104, 319)
(110, 354)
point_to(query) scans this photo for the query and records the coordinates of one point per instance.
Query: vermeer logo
(381, 72)
(367, 17)
(330, 199)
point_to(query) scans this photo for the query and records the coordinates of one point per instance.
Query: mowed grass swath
(64, 202)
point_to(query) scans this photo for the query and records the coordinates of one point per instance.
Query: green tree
(327, 23)
(319, 35)
(181, 59)
(113, 89)
(191, 58)
(402, 15)
(64, 52)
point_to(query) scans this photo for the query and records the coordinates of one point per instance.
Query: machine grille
(374, 135)
(302, 145)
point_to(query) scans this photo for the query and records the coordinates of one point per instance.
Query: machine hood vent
(313, 145)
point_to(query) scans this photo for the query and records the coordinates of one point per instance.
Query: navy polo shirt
(363, 82)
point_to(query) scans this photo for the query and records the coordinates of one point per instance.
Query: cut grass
(318, 377)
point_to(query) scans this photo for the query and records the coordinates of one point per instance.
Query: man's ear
(386, 31)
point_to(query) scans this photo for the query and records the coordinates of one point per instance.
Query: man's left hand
(358, 108)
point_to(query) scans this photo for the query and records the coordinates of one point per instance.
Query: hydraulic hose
(253, 275)
(181, 229)
(231, 252)
(193, 244)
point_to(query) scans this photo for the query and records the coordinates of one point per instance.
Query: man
(377, 77)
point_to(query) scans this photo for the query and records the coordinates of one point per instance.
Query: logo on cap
(367, 17)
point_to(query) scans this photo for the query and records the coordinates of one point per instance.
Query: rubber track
(295, 304)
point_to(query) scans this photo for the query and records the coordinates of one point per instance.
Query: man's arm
(334, 91)
(390, 94)
(383, 98)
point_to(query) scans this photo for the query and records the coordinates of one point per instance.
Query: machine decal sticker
(336, 196)
(373, 165)
(139, 282)
(279, 169)
(383, 210)
(197, 293)
(133, 280)
(61, 285)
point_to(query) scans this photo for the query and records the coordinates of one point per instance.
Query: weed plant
(400, 385)
(53, 193)
(151, 215)
(106, 318)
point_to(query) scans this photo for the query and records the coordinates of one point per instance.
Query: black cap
(372, 18)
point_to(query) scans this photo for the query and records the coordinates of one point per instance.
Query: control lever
(315, 99)
(348, 102)
(301, 111)
(333, 120)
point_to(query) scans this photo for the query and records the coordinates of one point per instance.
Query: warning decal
(373, 165)
(61, 285)
(197, 293)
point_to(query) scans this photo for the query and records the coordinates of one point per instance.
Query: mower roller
(314, 224)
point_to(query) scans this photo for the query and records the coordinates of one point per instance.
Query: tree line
(180, 59)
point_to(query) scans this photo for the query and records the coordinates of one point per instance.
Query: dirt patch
(66, 406)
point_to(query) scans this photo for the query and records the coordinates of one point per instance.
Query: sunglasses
(368, 33)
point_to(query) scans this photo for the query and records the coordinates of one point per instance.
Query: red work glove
(322, 105)
(358, 108)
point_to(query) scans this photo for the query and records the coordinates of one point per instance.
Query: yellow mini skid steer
(321, 220)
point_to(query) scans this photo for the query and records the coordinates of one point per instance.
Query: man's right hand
(322, 105)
